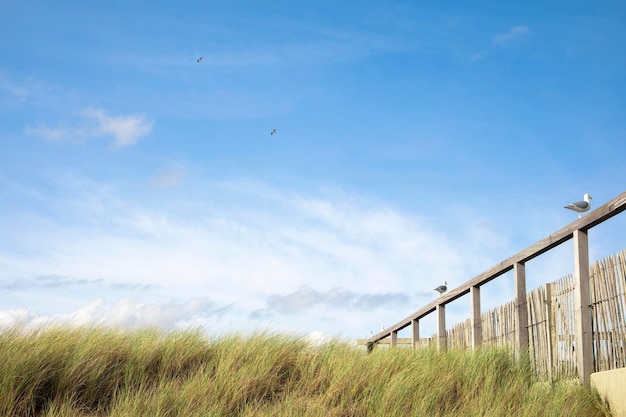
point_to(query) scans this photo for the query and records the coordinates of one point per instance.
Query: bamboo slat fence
(608, 301)
(551, 324)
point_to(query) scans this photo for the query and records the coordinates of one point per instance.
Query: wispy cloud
(500, 41)
(95, 123)
(126, 130)
(17, 91)
(263, 250)
(171, 178)
(515, 32)
(64, 282)
(47, 281)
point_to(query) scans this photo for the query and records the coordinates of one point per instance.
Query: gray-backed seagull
(580, 206)
(442, 288)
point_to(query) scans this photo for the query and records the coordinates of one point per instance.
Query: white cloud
(126, 130)
(513, 33)
(127, 312)
(17, 91)
(336, 298)
(318, 338)
(169, 179)
(95, 123)
(16, 318)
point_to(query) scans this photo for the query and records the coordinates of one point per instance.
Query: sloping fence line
(572, 345)
(551, 324)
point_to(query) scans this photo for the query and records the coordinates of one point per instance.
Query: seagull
(580, 206)
(199, 59)
(273, 131)
(442, 288)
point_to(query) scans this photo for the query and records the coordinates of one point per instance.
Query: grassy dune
(103, 372)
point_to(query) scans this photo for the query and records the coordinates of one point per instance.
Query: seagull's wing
(578, 206)
(583, 205)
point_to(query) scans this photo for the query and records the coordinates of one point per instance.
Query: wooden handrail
(595, 217)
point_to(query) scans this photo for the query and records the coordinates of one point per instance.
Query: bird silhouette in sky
(273, 132)
(199, 59)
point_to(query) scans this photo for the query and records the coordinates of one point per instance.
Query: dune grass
(65, 372)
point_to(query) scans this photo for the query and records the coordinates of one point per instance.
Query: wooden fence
(551, 325)
(574, 326)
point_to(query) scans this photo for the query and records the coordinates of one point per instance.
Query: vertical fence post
(394, 339)
(521, 307)
(477, 323)
(583, 337)
(415, 337)
(441, 327)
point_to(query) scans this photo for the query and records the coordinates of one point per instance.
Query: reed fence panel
(551, 323)
(539, 319)
(608, 303)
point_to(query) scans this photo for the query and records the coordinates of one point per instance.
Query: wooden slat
(551, 330)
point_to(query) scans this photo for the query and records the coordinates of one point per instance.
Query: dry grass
(65, 372)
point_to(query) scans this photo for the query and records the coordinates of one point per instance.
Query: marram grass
(63, 372)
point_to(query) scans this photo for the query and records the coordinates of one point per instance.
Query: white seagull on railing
(580, 206)
(442, 288)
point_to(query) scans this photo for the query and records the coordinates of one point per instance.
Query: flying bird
(273, 131)
(442, 288)
(580, 206)
(199, 59)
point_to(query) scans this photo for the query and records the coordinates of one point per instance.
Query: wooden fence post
(415, 337)
(441, 327)
(583, 337)
(394, 339)
(521, 307)
(477, 323)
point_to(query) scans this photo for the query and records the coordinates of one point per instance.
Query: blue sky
(414, 143)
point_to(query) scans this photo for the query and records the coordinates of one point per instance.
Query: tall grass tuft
(63, 372)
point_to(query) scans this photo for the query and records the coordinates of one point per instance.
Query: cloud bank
(336, 298)
(127, 312)
(326, 258)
